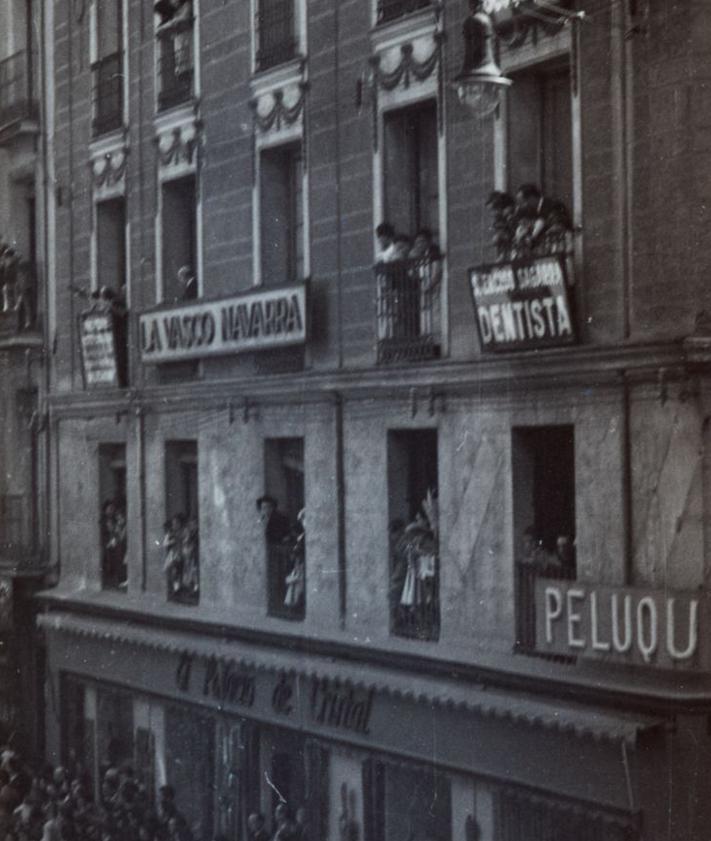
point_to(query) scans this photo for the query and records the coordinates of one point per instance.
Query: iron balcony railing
(176, 64)
(408, 309)
(108, 93)
(527, 574)
(286, 581)
(393, 9)
(17, 97)
(276, 33)
(18, 298)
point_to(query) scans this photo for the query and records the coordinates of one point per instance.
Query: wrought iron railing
(286, 581)
(393, 9)
(18, 298)
(527, 574)
(176, 63)
(16, 527)
(108, 93)
(276, 33)
(17, 97)
(408, 310)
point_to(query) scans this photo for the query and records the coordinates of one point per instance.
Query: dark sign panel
(98, 349)
(659, 628)
(267, 318)
(523, 304)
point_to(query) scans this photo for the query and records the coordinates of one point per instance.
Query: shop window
(112, 493)
(282, 214)
(175, 52)
(411, 188)
(276, 32)
(405, 803)
(179, 239)
(181, 539)
(107, 69)
(414, 533)
(544, 516)
(282, 513)
(540, 134)
(114, 729)
(190, 767)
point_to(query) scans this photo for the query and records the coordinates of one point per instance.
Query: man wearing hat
(276, 525)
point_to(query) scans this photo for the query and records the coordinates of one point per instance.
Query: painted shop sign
(311, 702)
(247, 322)
(523, 304)
(622, 624)
(97, 341)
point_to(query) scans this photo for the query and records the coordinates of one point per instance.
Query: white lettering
(554, 609)
(693, 637)
(621, 645)
(574, 619)
(647, 640)
(597, 643)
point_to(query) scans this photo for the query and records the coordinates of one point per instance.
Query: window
(179, 238)
(282, 515)
(393, 9)
(282, 214)
(544, 516)
(112, 493)
(540, 134)
(414, 533)
(276, 32)
(403, 802)
(111, 243)
(114, 729)
(175, 54)
(107, 69)
(411, 189)
(181, 538)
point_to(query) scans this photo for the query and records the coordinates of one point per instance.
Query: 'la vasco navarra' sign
(253, 321)
(523, 304)
(623, 624)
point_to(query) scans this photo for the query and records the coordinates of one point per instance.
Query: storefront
(237, 728)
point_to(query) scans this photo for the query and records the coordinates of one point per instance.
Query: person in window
(385, 234)
(187, 283)
(172, 544)
(296, 579)
(276, 525)
(256, 827)
(565, 552)
(428, 271)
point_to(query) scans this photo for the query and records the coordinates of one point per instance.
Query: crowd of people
(528, 223)
(290, 539)
(113, 539)
(15, 290)
(182, 558)
(536, 554)
(58, 804)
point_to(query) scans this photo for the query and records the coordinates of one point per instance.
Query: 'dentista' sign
(662, 628)
(267, 318)
(522, 304)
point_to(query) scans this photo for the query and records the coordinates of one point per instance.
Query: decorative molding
(521, 22)
(279, 112)
(109, 169)
(408, 66)
(179, 145)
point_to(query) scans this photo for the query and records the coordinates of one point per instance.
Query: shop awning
(579, 720)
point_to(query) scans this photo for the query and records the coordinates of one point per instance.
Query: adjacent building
(479, 607)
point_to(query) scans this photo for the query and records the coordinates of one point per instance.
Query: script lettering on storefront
(625, 624)
(522, 304)
(253, 321)
(341, 706)
(224, 681)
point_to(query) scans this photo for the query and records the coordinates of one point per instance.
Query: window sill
(285, 73)
(407, 27)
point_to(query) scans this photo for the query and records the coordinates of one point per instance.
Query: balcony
(527, 574)
(108, 94)
(286, 580)
(414, 584)
(176, 63)
(18, 300)
(276, 33)
(17, 98)
(181, 543)
(408, 310)
(389, 10)
(18, 547)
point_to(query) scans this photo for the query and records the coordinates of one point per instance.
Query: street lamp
(480, 83)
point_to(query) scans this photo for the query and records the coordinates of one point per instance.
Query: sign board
(523, 304)
(659, 628)
(97, 340)
(268, 318)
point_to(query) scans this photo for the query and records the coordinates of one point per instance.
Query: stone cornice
(501, 375)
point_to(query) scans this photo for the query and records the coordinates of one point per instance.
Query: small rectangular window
(176, 61)
(113, 525)
(181, 538)
(107, 70)
(179, 239)
(282, 220)
(414, 533)
(111, 243)
(276, 32)
(281, 511)
(543, 462)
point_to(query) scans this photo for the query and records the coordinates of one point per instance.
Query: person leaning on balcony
(276, 525)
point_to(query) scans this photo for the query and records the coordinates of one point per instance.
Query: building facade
(479, 608)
